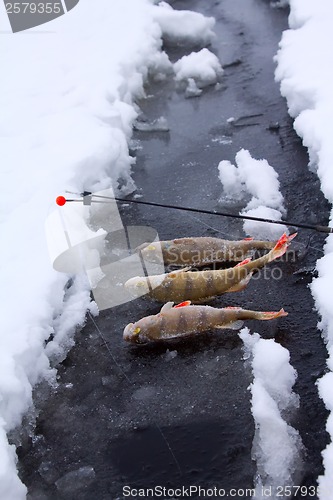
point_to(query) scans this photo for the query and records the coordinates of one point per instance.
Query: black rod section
(320, 229)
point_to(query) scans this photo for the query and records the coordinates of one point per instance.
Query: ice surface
(76, 480)
(277, 446)
(260, 180)
(67, 109)
(305, 72)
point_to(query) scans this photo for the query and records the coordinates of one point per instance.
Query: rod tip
(60, 200)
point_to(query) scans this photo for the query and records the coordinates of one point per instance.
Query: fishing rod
(87, 199)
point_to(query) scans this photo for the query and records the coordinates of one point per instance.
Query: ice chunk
(192, 90)
(158, 125)
(230, 179)
(264, 230)
(169, 355)
(259, 179)
(76, 480)
(202, 67)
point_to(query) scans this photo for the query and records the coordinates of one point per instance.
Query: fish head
(141, 285)
(137, 286)
(142, 331)
(151, 252)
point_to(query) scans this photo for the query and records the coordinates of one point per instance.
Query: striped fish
(179, 321)
(201, 250)
(202, 285)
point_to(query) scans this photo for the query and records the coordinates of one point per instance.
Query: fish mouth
(130, 335)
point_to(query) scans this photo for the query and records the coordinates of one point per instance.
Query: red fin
(246, 261)
(284, 240)
(273, 314)
(247, 239)
(281, 242)
(282, 245)
(232, 307)
(183, 304)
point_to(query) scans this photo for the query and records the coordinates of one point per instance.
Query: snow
(305, 72)
(277, 446)
(67, 103)
(184, 26)
(198, 70)
(260, 180)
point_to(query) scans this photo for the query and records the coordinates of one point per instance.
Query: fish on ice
(199, 251)
(199, 286)
(185, 320)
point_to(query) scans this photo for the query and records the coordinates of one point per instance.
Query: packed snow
(305, 72)
(277, 446)
(198, 70)
(184, 25)
(259, 180)
(67, 110)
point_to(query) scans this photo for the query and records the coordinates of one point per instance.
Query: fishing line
(107, 347)
(306, 245)
(131, 383)
(61, 200)
(207, 225)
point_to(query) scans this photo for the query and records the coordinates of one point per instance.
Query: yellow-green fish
(199, 251)
(202, 285)
(180, 321)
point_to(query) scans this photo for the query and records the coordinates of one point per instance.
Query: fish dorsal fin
(173, 274)
(248, 239)
(245, 261)
(235, 325)
(183, 304)
(183, 241)
(167, 307)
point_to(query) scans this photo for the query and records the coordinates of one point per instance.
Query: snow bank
(184, 26)
(305, 72)
(67, 110)
(260, 180)
(277, 447)
(200, 68)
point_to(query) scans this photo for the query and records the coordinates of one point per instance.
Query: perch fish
(185, 320)
(201, 250)
(203, 285)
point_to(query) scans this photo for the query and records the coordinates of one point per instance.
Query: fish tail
(271, 314)
(281, 246)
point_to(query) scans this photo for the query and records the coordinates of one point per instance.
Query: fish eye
(137, 331)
